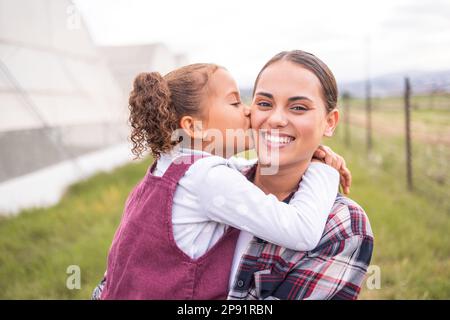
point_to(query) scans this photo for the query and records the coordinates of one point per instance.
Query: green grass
(412, 244)
(37, 246)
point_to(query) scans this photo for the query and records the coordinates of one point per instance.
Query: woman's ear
(332, 121)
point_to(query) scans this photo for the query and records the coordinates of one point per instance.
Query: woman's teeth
(277, 139)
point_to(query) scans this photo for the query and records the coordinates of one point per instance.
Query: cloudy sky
(393, 35)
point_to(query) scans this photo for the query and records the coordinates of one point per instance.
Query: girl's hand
(328, 156)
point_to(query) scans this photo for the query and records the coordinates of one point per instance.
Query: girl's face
(226, 118)
(289, 114)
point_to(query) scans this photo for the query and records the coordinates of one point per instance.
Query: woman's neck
(284, 182)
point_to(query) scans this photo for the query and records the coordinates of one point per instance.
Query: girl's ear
(332, 121)
(187, 124)
(192, 127)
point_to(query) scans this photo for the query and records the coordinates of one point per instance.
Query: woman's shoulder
(347, 219)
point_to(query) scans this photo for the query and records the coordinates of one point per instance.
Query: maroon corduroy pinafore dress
(145, 262)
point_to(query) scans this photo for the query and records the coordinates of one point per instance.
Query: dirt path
(393, 127)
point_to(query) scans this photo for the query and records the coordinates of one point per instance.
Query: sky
(355, 38)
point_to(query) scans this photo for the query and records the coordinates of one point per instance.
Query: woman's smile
(274, 139)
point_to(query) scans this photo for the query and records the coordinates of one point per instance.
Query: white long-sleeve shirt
(214, 194)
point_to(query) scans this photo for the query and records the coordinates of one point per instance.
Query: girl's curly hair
(157, 104)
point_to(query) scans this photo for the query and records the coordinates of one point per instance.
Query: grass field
(430, 138)
(412, 242)
(37, 247)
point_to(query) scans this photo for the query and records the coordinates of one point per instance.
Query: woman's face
(225, 115)
(289, 114)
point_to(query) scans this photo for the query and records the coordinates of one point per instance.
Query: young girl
(174, 240)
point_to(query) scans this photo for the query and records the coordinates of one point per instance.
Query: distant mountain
(422, 82)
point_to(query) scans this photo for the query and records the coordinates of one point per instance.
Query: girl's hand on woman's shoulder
(325, 155)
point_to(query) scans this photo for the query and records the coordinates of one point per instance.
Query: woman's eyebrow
(265, 94)
(270, 96)
(299, 98)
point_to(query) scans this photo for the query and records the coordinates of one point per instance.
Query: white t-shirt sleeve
(240, 164)
(228, 197)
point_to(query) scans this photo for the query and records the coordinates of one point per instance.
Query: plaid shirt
(335, 269)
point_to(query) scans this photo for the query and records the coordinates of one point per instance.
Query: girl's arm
(323, 153)
(229, 198)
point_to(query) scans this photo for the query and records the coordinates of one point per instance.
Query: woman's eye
(237, 104)
(263, 104)
(299, 108)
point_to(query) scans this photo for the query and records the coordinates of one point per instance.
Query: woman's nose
(277, 119)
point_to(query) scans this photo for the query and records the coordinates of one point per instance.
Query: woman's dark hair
(316, 66)
(157, 104)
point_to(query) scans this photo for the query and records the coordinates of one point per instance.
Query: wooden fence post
(368, 117)
(346, 102)
(408, 134)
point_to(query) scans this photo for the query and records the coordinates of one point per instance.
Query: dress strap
(179, 166)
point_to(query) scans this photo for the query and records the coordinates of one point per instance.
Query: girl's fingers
(339, 163)
(328, 156)
(336, 161)
(319, 154)
(347, 177)
(329, 159)
(348, 173)
(325, 149)
(342, 183)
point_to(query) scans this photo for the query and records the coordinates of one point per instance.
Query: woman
(295, 97)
